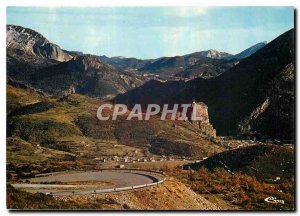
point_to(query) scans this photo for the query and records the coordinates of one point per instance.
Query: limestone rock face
(277, 109)
(28, 42)
(201, 112)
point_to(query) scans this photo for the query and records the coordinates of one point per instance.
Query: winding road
(91, 182)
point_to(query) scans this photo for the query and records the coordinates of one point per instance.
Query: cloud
(186, 11)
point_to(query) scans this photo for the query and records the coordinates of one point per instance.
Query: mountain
(24, 41)
(86, 75)
(176, 66)
(209, 63)
(32, 59)
(123, 63)
(206, 68)
(28, 51)
(238, 92)
(214, 54)
(276, 112)
(204, 64)
(241, 97)
(248, 52)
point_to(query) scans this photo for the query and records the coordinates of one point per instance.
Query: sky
(151, 32)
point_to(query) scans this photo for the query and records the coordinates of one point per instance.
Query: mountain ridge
(33, 59)
(231, 96)
(248, 52)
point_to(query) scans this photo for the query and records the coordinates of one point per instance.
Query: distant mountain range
(205, 64)
(172, 66)
(34, 59)
(257, 94)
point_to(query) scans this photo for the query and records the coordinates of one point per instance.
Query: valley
(238, 153)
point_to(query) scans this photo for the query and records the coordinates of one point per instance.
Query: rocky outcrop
(28, 42)
(245, 126)
(201, 111)
(214, 54)
(70, 91)
(276, 110)
(87, 62)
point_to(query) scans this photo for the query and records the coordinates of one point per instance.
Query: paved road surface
(108, 181)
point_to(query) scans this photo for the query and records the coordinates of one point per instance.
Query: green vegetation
(21, 151)
(92, 127)
(33, 108)
(38, 130)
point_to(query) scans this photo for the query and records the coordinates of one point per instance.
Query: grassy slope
(67, 131)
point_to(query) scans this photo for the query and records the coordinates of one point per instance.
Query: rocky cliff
(275, 115)
(28, 42)
(203, 124)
